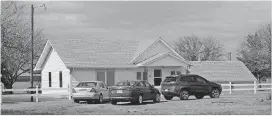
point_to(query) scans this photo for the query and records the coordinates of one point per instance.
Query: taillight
(93, 90)
(73, 90)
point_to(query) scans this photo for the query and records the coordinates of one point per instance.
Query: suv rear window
(170, 79)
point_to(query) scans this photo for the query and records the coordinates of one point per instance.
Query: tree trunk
(8, 86)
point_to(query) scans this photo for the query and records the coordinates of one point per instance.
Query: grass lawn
(238, 103)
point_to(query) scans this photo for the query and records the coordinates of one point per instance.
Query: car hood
(215, 84)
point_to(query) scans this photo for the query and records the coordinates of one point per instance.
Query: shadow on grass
(144, 103)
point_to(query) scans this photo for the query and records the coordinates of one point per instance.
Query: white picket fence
(69, 94)
(37, 95)
(254, 87)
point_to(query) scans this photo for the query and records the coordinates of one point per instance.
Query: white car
(91, 91)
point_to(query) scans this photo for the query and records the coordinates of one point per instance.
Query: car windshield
(87, 84)
(125, 83)
(170, 79)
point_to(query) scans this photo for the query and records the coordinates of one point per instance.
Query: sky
(227, 22)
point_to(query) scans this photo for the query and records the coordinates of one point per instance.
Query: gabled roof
(96, 52)
(147, 45)
(159, 56)
(222, 70)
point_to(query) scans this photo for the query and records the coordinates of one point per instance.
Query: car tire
(157, 98)
(139, 100)
(184, 95)
(215, 93)
(199, 96)
(113, 102)
(168, 97)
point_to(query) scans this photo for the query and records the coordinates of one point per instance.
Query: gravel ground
(234, 104)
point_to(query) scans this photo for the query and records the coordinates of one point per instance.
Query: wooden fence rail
(37, 89)
(254, 87)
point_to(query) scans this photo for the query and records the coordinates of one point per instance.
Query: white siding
(83, 75)
(54, 64)
(127, 74)
(159, 47)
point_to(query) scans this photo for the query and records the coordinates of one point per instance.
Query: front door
(157, 77)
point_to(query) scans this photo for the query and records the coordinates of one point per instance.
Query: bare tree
(192, 48)
(212, 50)
(16, 42)
(189, 47)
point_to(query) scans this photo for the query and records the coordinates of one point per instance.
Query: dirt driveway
(235, 104)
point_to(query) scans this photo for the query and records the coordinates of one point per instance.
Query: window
(157, 73)
(147, 84)
(172, 72)
(170, 79)
(101, 85)
(87, 84)
(125, 83)
(140, 84)
(182, 79)
(157, 81)
(139, 76)
(200, 80)
(49, 76)
(60, 78)
(178, 73)
(190, 79)
(145, 76)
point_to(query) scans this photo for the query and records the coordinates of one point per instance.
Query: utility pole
(32, 46)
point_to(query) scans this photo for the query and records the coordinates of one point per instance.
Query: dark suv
(185, 85)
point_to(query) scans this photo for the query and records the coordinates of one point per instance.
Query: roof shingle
(222, 70)
(98, 52)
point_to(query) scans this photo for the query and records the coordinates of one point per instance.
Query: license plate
(82, 89)
(166, 89)
(119, 91)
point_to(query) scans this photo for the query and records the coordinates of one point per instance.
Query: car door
(203, 85)
(150, 91)
(140, 86)
(104, 90)
(193, 85)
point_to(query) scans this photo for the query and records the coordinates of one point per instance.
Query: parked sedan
(134, 91)
(91, 91)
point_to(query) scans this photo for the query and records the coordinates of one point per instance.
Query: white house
(73, 60)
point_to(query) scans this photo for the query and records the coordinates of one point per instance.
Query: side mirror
(152, 86)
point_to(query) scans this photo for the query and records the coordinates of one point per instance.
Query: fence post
(70, 92)
(37, 93)
(255, 87)
(230, 87)
(1, 93)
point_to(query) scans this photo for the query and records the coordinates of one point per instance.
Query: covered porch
(158, 67)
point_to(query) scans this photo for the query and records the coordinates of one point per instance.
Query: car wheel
(199, 96)
(157, 98)
(184, 95)
(215, 93)
(113, 102)
(168, 97)
(140, 99)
